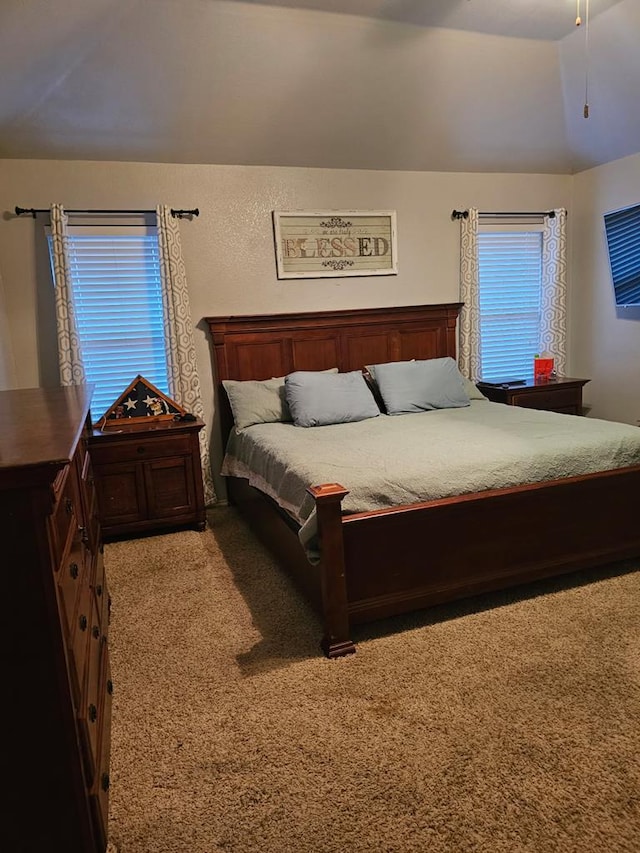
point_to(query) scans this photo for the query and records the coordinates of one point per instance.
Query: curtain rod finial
(183, 214)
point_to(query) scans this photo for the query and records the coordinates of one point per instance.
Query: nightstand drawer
(137, 449)
(556, 398)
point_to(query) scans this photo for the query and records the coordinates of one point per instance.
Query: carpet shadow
(290, 629)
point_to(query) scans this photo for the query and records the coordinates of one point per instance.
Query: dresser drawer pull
(140, 449)
(74, 570)
(68, 505)
(95, 632)
(110, 687)
(83, 622)
(104, 781)
(84, 535)
(93, 713)
(99, 590)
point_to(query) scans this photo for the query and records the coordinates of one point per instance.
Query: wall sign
(330, 243)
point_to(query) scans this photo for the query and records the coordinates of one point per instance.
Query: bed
(362, 565)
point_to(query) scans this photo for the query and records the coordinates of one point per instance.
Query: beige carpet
(508, 724)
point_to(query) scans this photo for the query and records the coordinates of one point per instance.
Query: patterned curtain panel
(553, 313)
(69, 351)
(469, 335)
(184, 383)
(7, 366)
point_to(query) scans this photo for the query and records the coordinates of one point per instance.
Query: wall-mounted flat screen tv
(622, 229)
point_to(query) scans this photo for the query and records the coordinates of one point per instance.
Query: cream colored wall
(228, 250)
(606, 339)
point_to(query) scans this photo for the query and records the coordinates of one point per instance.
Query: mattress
(397, 460)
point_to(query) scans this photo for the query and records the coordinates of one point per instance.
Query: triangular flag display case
(140, 403)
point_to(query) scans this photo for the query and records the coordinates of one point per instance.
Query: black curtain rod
(464, 214)
(177, 214)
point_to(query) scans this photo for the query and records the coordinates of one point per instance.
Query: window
(622, 229)
(510, 281)
(115, 275)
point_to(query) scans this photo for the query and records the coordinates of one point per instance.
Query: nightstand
(148, 478)
(560, 394)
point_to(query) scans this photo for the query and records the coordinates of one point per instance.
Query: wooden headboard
(267, 345)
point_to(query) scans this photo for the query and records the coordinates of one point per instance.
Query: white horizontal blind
(622, 229)
(510, 277)
(118, 304)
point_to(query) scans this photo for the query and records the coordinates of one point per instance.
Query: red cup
(542, 368)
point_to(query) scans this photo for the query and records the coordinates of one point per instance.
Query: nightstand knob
(104, 781)
(68, 505)
(110, 687)
(83, 622)
(73, 570)
(95, 631)
(93, 713)
(99, 590)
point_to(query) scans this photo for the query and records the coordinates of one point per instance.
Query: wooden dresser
(57, 684)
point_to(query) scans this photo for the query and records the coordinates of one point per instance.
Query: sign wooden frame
(334, 243)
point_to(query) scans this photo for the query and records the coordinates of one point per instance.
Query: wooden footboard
(410, 557)
(393, 561)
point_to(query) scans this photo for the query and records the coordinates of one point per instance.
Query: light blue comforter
(395, 460)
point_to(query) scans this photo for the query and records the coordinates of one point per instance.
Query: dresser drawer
(65, 516)
(105, 609)
(99, 585)
(100, 788)
(91, 705)
(71, 580)
(79, 640)
(557, 398)
(92, 520)
(133, 449)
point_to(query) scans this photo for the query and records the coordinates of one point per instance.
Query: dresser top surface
(40, 427)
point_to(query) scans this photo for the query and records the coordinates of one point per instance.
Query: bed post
(328, 498)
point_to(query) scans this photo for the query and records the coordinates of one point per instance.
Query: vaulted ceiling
(535, 19)
(438, 85)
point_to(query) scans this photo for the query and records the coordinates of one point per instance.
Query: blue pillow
(419, 386)
(258, 401)
(319, 399)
